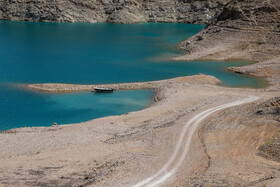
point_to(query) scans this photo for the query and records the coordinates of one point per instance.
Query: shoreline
(175, 100)
(114, 140)
(155, 86)
(62, 88)
(151, 85)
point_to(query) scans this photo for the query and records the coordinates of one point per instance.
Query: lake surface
(92, 54)
(21, 108)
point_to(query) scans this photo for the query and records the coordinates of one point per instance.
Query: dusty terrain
(123, 150)
(237, 146)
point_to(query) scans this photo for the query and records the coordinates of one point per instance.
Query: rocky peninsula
(237, 146)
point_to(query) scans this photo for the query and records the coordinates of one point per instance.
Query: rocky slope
(247, 30)
(117, 11)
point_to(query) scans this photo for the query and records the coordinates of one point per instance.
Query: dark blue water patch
(27, 108)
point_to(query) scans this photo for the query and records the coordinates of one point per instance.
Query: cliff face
(251, 14)
(117, 11)
(245, 29)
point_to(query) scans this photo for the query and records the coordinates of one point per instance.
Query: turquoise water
(21, 108)
(91, 54)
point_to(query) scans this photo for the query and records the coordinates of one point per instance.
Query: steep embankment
(117, 11)
(248, 30)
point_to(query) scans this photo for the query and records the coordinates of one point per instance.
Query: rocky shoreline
(247, 30)
(61, 88)
(122, 150)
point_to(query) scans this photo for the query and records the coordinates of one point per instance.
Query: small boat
(103, 90)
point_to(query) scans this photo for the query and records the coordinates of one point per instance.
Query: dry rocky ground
(122, 150)
(245, 30)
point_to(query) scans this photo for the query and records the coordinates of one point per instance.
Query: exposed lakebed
(92, 54)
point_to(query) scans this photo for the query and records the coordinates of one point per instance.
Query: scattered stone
(199, 38)
(54, 124)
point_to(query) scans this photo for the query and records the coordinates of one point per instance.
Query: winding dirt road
(183, 145)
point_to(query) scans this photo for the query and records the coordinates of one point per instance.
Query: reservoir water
(92, 54)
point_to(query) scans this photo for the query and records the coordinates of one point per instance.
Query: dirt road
(172, 165)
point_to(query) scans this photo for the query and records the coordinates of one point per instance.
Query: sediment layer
(115, 11)
(245, 30)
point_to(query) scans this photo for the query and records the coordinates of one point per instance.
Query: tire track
(177, 158)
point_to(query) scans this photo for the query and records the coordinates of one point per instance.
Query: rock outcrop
(116, 11)
(247, 30)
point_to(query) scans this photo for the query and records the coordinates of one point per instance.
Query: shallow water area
(26, 108)
(85, 53)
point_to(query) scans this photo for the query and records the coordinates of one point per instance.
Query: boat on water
(103, 90)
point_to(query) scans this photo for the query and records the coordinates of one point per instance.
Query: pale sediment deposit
(56, 88)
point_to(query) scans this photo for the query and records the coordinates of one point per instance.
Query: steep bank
(116, 11)
(247, 30)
